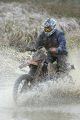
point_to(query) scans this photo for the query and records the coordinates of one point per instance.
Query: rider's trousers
(60, 59)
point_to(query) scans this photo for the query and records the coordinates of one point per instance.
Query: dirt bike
(35, 75)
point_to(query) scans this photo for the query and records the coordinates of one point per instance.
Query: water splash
(16, 20)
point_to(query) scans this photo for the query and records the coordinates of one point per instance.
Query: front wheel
(22, 84)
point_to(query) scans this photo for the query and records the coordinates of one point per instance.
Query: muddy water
(50, 101)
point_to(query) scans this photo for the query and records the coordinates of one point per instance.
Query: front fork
(33, 69)
(37, 71)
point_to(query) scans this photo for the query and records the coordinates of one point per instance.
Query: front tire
(22, 84)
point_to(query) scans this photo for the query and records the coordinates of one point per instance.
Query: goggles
(48, 29)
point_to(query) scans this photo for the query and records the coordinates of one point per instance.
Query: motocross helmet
(49, 26)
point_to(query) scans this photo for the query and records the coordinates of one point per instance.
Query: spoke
(21, 85)
(29, 83)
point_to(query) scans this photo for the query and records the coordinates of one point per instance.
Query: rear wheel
(22, 84)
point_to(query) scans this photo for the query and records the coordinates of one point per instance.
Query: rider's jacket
(56, 40)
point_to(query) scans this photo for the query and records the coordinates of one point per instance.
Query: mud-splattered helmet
(49, 26)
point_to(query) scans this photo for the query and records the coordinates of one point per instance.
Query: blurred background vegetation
(68, 8)
(21, 21)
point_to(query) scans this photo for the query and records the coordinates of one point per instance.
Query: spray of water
(47, 93)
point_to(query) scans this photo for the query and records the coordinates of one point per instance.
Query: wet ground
(51, 100)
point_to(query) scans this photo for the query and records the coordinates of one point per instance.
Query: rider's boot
(33, 69)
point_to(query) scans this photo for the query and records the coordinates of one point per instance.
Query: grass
(74, 41)
(62, 9)
(18, 36)
(68, 8)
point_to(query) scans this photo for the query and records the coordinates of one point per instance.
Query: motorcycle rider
(53, 40)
